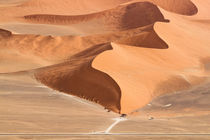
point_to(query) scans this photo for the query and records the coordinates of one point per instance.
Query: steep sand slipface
(78, 78)
(83, 7)
(120, 18)
(5, 33)
(184, 7)
(144, 40)
(203, 9)
(146, 73)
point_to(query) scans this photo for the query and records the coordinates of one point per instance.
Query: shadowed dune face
(144, 40)
(184, 7)
(121, 18)
(78, 78)
(5, 33)
(48, 50)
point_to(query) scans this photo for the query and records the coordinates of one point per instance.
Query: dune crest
(184, 7)
(120, 18)
(78, 78)
(48, 50)
(67, 77)
(145, 74)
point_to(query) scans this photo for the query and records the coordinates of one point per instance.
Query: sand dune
(203, 8)
(127, 54)
(78, 78)
(48, 50)
(70, 76)
(82, 7)
(184, 7)
(120, 18)
(179, 59)
(144, 40)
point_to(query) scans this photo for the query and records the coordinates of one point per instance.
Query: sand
(147, 59)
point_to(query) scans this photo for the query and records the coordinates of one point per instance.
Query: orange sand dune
(146, 73)
(48, 50)
(184, 7)
(203, 7)
(115, 18)
(82, 7)
(121, 18)
(78, 78)
(60, 76)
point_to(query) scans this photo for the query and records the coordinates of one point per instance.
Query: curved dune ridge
(80, 7)
(78, 78)
(47, 50)
(131, 51)
(184, 7)
(5, 33)
(123, 17)
(68, 77)
(83, 7)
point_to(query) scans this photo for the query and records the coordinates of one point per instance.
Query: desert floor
(30, 110)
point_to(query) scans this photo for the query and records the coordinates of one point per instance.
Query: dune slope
(48, 50)
(184, 7)
(120, 18)
(144, 74)
(78, 78)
